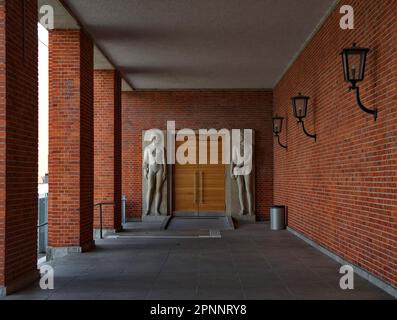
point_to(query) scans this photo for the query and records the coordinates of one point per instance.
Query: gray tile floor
(248, 263)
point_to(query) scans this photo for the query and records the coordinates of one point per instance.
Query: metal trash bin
(277, 218)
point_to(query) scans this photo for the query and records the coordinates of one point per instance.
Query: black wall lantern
(299, 104)
(277, 128)
(354, 60)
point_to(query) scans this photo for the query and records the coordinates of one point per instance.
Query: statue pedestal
(162, 219)
(248, 218)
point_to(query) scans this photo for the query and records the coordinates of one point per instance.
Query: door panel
(185, 188)
(185, 185)
(199, 188)
(212, 182)
(212, 189)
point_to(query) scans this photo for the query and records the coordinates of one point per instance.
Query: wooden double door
(199, 188)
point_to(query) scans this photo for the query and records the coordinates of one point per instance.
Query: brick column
(71, 143)
(18, 144)
(107, 148)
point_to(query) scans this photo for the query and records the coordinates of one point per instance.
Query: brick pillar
(107, 148)
(71, 143)
(18, 144)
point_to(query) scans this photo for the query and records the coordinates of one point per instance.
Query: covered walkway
(247, 263)
(124, 76)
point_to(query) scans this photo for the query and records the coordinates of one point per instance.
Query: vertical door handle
(201, 187)
(195, 187)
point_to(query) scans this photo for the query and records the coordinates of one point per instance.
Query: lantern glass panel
(277, 125)
(355, 66)
(354, 60)
(300, 107)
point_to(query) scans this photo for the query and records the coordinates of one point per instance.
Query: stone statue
(241, 170)
(155, 172)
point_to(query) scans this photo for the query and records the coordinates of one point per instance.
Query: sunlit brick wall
(107, 140)
(341, 191)
(71, 139)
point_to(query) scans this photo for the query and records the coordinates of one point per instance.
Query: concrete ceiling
(64, 20)
(201, 44)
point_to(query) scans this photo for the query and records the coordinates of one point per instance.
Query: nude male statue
(241, 167)
(155, 172)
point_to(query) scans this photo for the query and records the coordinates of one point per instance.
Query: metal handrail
(101, 204)
(42, 225)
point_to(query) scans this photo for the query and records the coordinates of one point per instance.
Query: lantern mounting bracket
(354, 72)
(313, 136)
(374, 112)
(279, 142)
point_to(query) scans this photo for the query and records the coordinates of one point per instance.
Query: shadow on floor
(248, 263)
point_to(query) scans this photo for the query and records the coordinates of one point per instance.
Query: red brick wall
(107, 145)
(70, 139)
(197, 110)
(18, 139)
(342, 190)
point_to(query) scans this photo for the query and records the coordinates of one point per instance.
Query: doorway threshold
(202, 234)
(191, 223)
